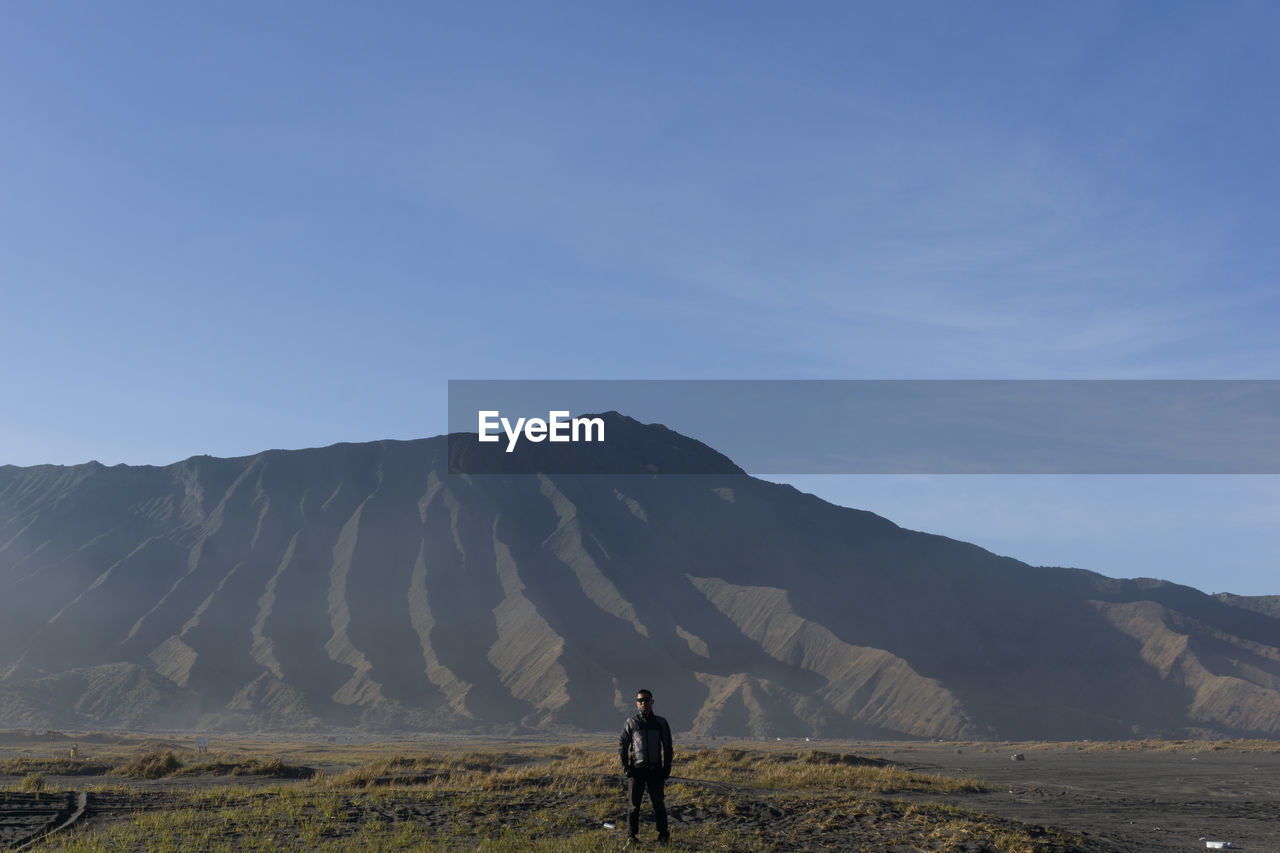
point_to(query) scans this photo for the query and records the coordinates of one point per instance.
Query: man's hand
(628, 772)
(666, 773)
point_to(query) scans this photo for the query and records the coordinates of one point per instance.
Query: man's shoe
(632, 841)
(663, 838)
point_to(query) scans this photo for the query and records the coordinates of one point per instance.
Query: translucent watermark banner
(865, 426)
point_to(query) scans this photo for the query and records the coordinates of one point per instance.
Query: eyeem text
(557, 427)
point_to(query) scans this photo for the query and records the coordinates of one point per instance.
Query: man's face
(644, 703)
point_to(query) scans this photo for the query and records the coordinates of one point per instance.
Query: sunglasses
(643, 701)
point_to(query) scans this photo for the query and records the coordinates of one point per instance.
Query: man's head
(644, 701)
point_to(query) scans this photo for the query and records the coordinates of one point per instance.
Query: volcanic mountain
(366, 585)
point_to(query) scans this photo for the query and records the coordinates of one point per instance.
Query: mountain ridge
(362, 584)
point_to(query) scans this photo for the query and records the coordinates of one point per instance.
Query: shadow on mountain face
(366, 585)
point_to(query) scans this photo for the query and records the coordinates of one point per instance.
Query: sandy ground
(1140, 801)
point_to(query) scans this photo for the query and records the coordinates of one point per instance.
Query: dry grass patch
(949, 828)
(274, 768)
(547, 798)
(54, 766)
(535, 769)
(33, 783)
(816, 770)
(535, 797)
(150, 765)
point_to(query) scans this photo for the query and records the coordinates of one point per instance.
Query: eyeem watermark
(558, 426)
(821, 426)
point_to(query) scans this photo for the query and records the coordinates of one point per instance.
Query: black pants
(651, 781)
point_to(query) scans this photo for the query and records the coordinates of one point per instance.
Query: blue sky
(228, 227)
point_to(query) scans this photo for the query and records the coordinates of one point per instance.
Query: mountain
(1268, 604)
(363, 584)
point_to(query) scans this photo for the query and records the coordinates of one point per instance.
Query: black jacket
(645, 744)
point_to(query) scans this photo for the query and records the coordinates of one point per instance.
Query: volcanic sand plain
(355, 790)
(1136, 796)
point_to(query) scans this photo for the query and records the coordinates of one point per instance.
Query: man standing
(645, 750)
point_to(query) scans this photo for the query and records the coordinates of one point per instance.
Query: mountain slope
(365, 585)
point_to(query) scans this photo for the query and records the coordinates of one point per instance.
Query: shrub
(151, 765)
